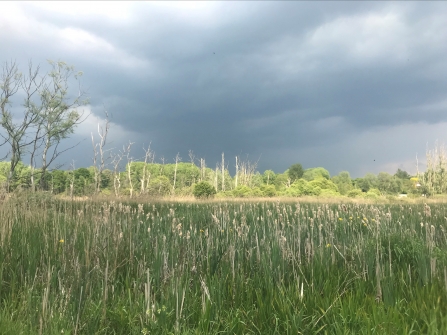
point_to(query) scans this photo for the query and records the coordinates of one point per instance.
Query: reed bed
(92, 267)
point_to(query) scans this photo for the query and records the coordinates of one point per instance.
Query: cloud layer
(348, 86)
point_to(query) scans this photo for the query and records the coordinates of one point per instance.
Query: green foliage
(302, 187)
(295, 172)
(324, 184)
(375, 191)
(343, 182)
(242, 191)
(83, 182)
(268, 190)
(220, 268)
(20, 178)
(281, 181)
(402, 174)
(58, 181)
(387, 183)
(355, 193)
(159, 186)
(269, 177)
(315, 173)
(367, 182)
(204, 190)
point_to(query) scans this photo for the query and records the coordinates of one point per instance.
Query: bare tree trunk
(72, 179)
(237, 173)
(191, 158)
(177, 159)
(202, 169)
(95, 157)
(98, 150)
(116, 175)
(215, 177)
(129, 168)
(144, 183)
(223, 173)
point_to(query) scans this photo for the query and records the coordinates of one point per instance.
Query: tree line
(49, 113)
(179, 179)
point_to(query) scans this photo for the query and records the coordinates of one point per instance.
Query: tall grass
(221, 268)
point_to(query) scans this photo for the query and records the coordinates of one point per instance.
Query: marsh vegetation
(92, 267)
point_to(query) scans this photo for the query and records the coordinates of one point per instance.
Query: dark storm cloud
(283, 81)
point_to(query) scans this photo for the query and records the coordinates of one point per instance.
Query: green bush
(159, 186)
(375, 191)
(204, 190)
(355, 193)
(257, 192)
(371, 195)
(268, 190)
(242, 191)
(302, 187)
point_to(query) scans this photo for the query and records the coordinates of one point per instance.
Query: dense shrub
(355, 193)
(204, 190)
(159, 186)
(242, 191)
(268, 190)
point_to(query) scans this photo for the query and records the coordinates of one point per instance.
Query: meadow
(253, 267)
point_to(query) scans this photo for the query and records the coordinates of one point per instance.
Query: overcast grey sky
(356, 86)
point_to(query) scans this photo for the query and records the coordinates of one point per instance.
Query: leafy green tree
(269, 177)
(20, 177)
(302, 187)
(159, 186)
(106, 179)
(49, 114)
(387, 183)
(83, 182)
(281, 181)
(204, 190)
(295, 172)
(367, 182)
(242, 191)
(314, 173)
(268, 190)
(402, 174)
(343, 182)
(326, 186)
(58, 181)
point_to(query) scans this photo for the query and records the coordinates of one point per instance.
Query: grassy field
(92, 267)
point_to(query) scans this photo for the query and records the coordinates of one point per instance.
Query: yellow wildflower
(328, 245)
(61, 241)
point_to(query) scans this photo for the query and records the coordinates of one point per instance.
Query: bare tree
(223, 172)
(72, 179)
(245, 171)
(16, 133)
(435, 177)
(202, 169)
(177, 159)
(237, 174)
(98, 150)
(129, 167)
(216, 172)
(49, 115)
(116, 161)
(145, 178)
(192, 160)
(59, 114)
